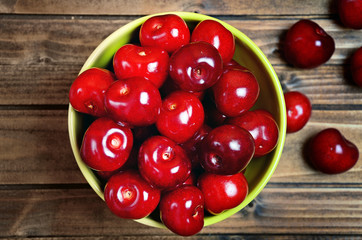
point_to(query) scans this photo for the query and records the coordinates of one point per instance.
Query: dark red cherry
(163, 163)
(330, 152)
(227, 150)
(350, 13)
(222, 192)
(106, 145)
(135, 101)
(215, 33)
(307, 45)
(299, 110)
(356, 67)
(262, 126)
(182, 210)
(150, 63)
(128, 195)
(195, 66)
(86, 94)
(181, 116)
(235, 92)
(168, 31)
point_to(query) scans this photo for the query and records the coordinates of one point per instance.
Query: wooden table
(43, 194)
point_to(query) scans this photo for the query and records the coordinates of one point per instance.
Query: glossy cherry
(307, 45)
(135, 61)
(195, 66)
(182, 210)
(168, 31)
(87, 91)
(128, 195)
(299, 110)
(193, 145)
(227, 150)
(262, 126)
(135, 101)
(350, 13)
(222, 192)
(181, 116)
(163, 163)
(235, 92)
(106, 145)
(330, 152)
(356, 67)
(215, 33)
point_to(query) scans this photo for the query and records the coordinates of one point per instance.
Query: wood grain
(42, 56)
(141, 7)
(79, 212)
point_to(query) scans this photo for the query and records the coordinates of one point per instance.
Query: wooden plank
(140, 7)
(42, 56)
(35, 148)
(277, 210)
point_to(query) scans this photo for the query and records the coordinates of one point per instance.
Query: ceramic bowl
(259, 171)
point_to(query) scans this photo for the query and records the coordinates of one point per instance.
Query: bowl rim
(94, 182)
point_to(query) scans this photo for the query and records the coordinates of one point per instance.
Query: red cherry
(330, 152)
(168, 32)
(150, 63)
(193, 145)
(223, 192)
(182, 210)
(163, 163)
(128, 195)
(181, 116)
(215, 33)
(135, 101)
(262, 126)
(298, 109)
(87, 91)
(106, 145)
(195, 66)
(350, 13)
(307, 45)
(235, 92)
(356, 67)
(227, 150)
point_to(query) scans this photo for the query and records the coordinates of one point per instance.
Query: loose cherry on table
(307, 45)
(134, 101)
(129, 196)
(215, 33)
(195, 66)
(106, 145)
(356, 66)
(150, 63)
(181, 116)
(262, 126)
(226, 150)
(330, 152)
(167, 31)
(235, 92)
(87, 91)
(182, 210)
(163, 163)
(350, 13)
(299, 110)
(222, 192)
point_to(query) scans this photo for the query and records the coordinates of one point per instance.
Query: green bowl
(247, 54)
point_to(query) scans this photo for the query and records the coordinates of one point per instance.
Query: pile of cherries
(174, 130)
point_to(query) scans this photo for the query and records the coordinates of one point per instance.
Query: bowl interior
(247, 54)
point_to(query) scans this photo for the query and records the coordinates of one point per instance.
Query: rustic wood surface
(43, 195)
